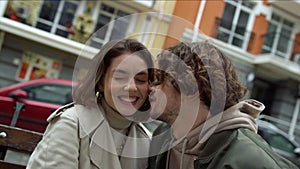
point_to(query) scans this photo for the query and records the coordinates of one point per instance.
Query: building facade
(45, 38)
(263, 40)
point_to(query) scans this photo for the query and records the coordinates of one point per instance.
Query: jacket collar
(102, 148)
(89, 119)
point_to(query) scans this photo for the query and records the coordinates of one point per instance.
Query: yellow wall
(160, 24)
(166, 6)
(157, 25)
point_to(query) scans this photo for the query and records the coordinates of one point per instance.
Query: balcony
(267, 65)
(278, 48)
(291, 6)
(67, 25)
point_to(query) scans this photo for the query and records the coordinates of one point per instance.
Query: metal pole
(295, 115)
(19, 107)
(198, 20)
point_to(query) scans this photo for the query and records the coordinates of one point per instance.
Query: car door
(41, 101)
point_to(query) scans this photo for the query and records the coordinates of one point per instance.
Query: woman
(99, 129)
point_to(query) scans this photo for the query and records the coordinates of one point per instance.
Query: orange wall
(259, 31)
(266, 2)
(296, 47)
(212, 10)
(187, 10)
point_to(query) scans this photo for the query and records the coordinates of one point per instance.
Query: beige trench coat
(80, 138)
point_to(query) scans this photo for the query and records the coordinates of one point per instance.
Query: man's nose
(152, 89)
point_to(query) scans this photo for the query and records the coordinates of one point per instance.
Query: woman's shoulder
(66, 110)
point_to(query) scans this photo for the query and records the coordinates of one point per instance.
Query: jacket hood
(241, 115)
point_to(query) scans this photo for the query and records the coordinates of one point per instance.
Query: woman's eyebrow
(121, 71)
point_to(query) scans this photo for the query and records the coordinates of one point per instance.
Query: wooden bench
(16, 146)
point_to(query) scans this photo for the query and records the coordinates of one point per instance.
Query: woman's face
(125, 84)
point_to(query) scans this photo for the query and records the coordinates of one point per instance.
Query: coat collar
(89, 119)
(102, 148)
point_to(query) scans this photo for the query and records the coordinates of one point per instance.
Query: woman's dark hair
(86, 89)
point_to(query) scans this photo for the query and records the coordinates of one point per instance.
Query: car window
(50, 93)
(278, 141)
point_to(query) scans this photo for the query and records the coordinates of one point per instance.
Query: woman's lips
(128, 100)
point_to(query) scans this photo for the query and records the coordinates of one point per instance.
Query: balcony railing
(75, 20)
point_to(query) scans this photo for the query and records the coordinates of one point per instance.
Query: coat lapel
(102, 149)
(136, 149)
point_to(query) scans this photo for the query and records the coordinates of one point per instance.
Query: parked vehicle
(279, 141)
(39, 97)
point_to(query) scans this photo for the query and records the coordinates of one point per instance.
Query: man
(197, 92)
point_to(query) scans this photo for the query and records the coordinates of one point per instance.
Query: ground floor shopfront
(23, 59)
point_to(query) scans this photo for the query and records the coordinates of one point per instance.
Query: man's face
(165, 102)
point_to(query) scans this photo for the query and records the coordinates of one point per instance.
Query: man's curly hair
(201, 62)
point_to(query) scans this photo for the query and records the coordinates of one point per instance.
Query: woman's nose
(131, 86)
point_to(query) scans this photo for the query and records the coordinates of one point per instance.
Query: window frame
(54, 25)
(239, 7)
(117, 7)
(279, 27)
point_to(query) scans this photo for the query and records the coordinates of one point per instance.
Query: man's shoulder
(242, 148)
(259, 150)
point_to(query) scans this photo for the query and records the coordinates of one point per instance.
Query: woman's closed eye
(120, 79)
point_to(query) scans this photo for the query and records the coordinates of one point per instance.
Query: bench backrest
(16, 146)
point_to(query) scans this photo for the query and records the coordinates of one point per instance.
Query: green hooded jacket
(239, 148)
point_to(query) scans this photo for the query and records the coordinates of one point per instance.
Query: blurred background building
(44, 38)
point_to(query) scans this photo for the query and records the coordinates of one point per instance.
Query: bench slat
(17, 140)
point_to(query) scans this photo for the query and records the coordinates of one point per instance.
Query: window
(65, 18)
(234, 27)
(118, 29)
(278, 39)
(57, 16)
(50, 93)
(280, 142)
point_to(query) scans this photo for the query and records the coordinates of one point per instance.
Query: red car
(37, 98)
